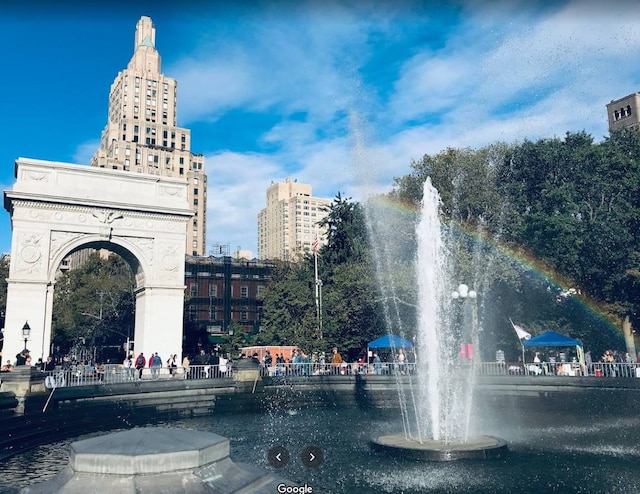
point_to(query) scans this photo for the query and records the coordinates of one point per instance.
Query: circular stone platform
(478, 447)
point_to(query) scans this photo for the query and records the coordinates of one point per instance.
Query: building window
(244, 291)
(195, 202)
(195, 244)
(195, 191)
(213, 290)
(193, 289)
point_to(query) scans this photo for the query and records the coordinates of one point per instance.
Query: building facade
(142, 135)
(222, 293)
(288, 224)
(623, 113)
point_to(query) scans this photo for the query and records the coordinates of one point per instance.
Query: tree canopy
(94, 306)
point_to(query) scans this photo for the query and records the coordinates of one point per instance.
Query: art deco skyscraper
(142, 135)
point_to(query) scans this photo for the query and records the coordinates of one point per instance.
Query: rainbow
(524, 261)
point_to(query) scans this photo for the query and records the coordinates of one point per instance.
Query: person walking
(141, 361)
(172, 365)
(155, 363)
(185, 367)
(336, 361)
(377, 364)
(129, 371)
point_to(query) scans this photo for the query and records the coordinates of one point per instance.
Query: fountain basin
(475, 448)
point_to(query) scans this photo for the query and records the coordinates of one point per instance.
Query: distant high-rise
(624, 112)
(142, 135)
(287, 226)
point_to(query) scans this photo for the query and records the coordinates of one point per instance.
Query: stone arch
(130, 252)
(58, 208)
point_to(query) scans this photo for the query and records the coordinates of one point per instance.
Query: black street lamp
(26, 331)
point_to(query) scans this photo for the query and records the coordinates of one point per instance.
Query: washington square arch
(59, 208)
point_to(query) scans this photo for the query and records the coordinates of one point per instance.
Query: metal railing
(328, 369)
(571, 369)
(117, 374)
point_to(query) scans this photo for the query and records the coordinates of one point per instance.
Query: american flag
(315, 245)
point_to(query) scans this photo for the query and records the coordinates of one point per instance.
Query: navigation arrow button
(311, 457)
(278, 457)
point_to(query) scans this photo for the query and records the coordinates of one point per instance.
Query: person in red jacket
(140, 363)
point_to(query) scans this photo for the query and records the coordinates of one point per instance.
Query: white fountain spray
(431, 269)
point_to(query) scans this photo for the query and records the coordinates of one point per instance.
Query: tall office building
(287, 226)
(142, 135)
(624, 112)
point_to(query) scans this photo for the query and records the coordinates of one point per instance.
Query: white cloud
(85, 151)
(523, 73)
(236, 192)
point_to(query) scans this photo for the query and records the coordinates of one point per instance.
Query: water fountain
(439, 427)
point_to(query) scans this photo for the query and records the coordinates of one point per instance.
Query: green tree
(4, 275)
(94, 304)
(289, 308)
(347, 239)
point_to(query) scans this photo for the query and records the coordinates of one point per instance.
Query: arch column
(32, 302)
(159, 310)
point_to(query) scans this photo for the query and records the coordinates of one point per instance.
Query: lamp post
(26, 331)
(464, 293)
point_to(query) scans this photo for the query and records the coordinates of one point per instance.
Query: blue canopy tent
(388, 341)
(551, 338)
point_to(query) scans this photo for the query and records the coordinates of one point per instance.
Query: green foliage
(4, 274)
(351, 314)
(346, 232)
(289, 307)
(569, 204)
(352, 308)
(95, 304)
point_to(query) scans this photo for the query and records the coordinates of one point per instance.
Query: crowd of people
(302, 364)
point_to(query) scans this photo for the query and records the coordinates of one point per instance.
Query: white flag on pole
(522, 334)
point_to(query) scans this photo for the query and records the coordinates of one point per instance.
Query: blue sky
(337, 94)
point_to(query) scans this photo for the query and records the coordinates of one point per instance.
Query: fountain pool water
(568, 451)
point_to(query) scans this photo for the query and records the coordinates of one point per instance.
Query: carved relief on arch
(34, 176)
(144, 245)
(167, 190)
(30, 247)
(169, 262)
(60, 239)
